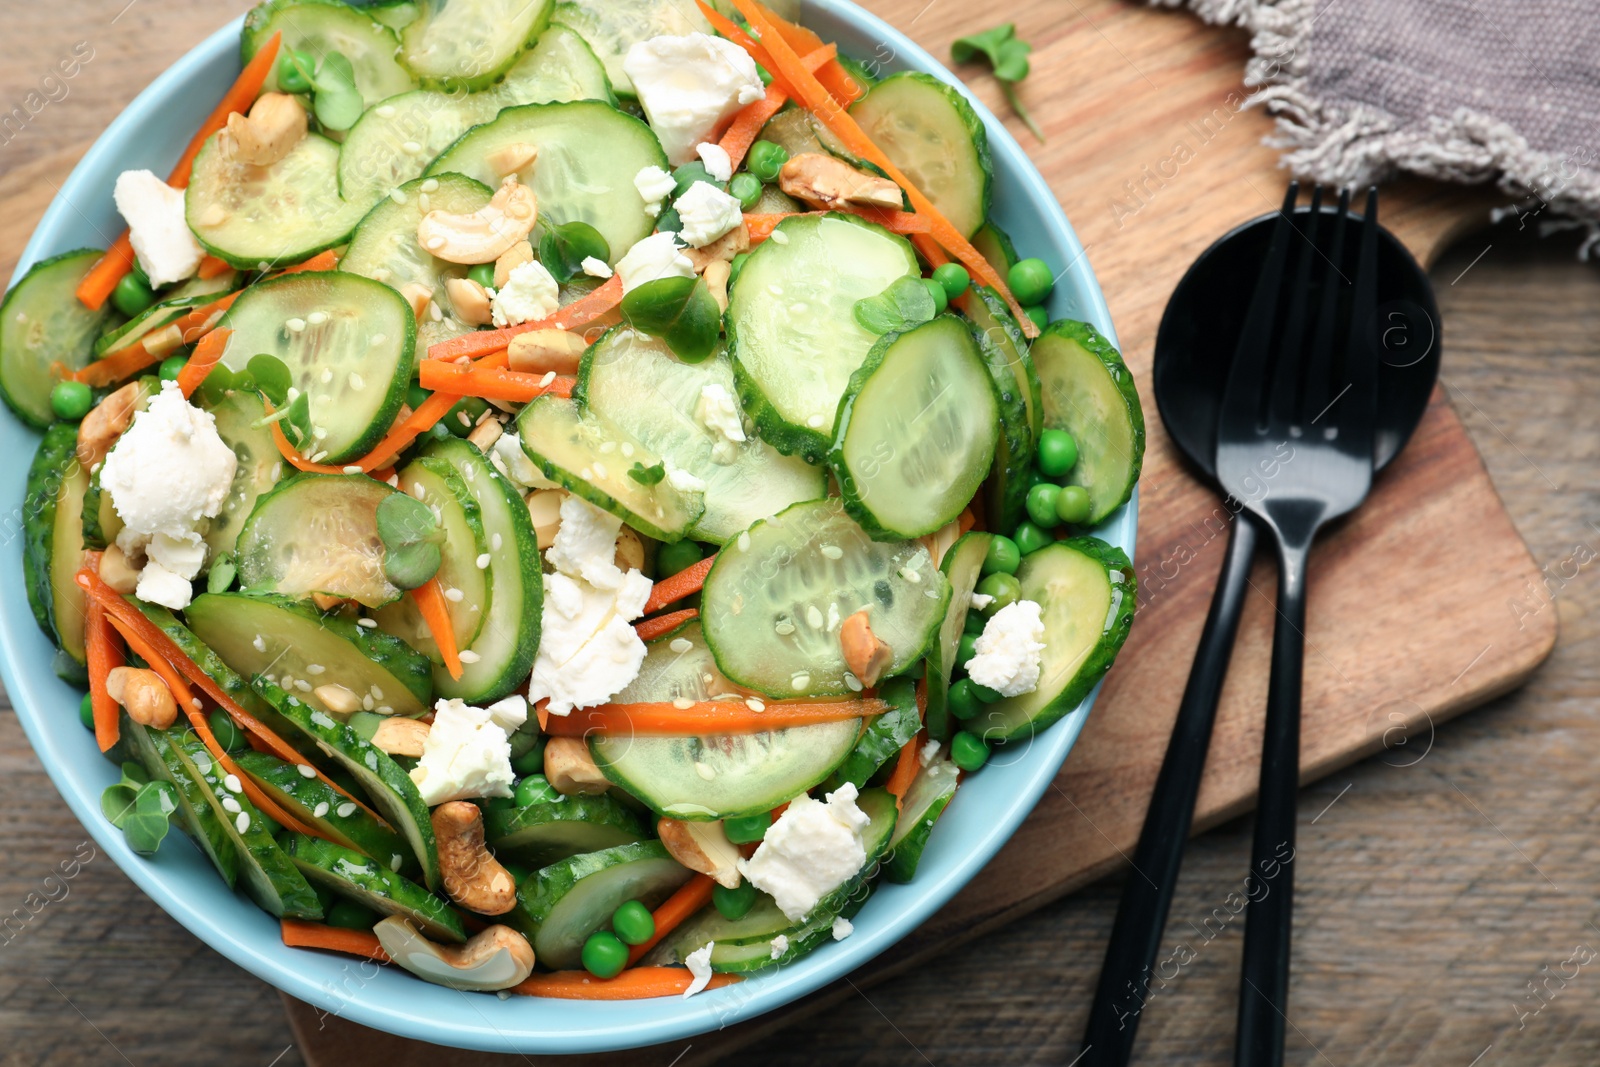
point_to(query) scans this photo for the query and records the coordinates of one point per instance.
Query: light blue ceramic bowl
(151, 133)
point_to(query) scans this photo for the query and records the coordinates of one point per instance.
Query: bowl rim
(485, 1024)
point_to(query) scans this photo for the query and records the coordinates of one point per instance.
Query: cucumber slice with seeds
(350, 874)
(1089, 392)
(323, 26)
(559, 68)
(101, 523)
(994, 244)
(611, 27)
(549, 830)
(916, 430)
(962, 566)
(925, 800)
(317, 533)
(932, 134)
(239, 416)
(792, 328)
(42, 323)
(773, 604)
(1005, 346)
(322, 807)
(1086, 590)
(885, 735)
(52, 549)
(468, 44)
(388, 148)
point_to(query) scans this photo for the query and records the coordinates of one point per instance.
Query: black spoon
(1194, 351)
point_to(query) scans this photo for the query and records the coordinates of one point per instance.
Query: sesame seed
(231, 805)
(370, 624)
(397, 196)
(259, 644)
(317, 318)
(367, 703)
(232, 782)
(320, 810)
(814, 421)
(754, 705)
(743, 543)
(779, 237)
(242, 823)
(627, 446)
(384, 709)
(377, 694)
(306, 770)
(422, 203)
(799, 682)
(411, 148)
(832, 552)
(295, 325)
(320, 456)
(910, 574)
(784, 628)
(327, 375)
(431, 185)
(483, 561)
(315, 668)
(418, 491)
(385, 111)
(682, 703)
(302, 685)
(813, 617)
(468, 656)
(455, 596)
(680, 645)
(496, 541)
(703, 771)
(345, 810)
(550, 376)
(434, 243)
(352, 469)
(434, 313)
(852, 683)
(357, 382)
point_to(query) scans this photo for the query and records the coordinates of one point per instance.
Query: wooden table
(1421, 913)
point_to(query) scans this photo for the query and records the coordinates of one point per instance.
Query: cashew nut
(542, 351)
(337, 699)
(510, 260)
(496, 958)
(544, 508)
(703, 847)
(165, 341)
(512, 158)
(716, 274)
(99, 430)
(472, 877)
(470, 301)
(570, 769)
(630, 550)
(483, 235)
(825, 181)
(276, 124)
(326, 602)
(723, 249)
(116, 571)
(865, 653)
(419, 296)
(485, 434)
(402, 737)
(144, 695)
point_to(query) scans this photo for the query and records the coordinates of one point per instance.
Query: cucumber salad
(557, 496)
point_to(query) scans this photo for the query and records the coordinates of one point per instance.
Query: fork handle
(1269, 918)
(1128, 978)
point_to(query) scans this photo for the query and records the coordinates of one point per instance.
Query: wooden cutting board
(1412, 616)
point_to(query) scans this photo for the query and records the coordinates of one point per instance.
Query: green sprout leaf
(680, 311)
(145, 832)
(904, 304)
(1008, 55)
(338, 109)
(271, 376)
(222, 574)
(647, 475)
(156, 798)
(335, 72)
(117, 803)
(563, 249)
(411, 537)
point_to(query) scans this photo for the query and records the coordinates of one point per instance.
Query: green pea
(733, 904)
(746, 188)
(226, 731)
(292, 68)
(963, 703)
(171, 367)
(1041, 503)
(1004, 588)
(736, 266)
(1073, 504)
(1037, 315)
(1057, 454)
(71, 401)
(1003, 556)
(132, 295)
(744, 829)
(941, 299)
(86, 712)
(954, 278)
(531, 761)
(349, 915)
(1030, 538)
(968, 751)
(765, 160)
(677, 556)
(966, 648)
(483, 274)
(984, 694)
(533, 789)
(973, 623)
(633, 923)
(604, 955)
(1031, 281)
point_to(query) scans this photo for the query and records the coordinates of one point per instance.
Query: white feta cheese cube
(707, 213)
(1009, 650)
(690, 86)
(654, 257)
(157, 229)
(530, 294)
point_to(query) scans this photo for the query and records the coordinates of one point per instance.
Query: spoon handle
(1127, 979)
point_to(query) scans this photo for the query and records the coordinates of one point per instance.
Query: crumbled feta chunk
(981, 600)
(529, 294)
(654, 185)
(842, 928)
(699, 964)
(926, 754)
(811, 850)
(510, 460)
(596, 268)
(466, 754)
(779, 946)
(157, 229)
(509, 713)
(707, 213)
(716, 160)
(718, 412)
(690, 86)
(1009, 650)
(157, 585)
(654, 257)
(586, 545)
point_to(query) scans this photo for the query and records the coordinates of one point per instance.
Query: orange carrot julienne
(746, 125)
(761, 226)
(650, 629)
(686, 582)
(435, 609)
(104, 655)
(665, 718)
(205, 356)
(490, 383)
(541, 711)
(689, 898)
(829, 71)
(298, 933)
(726, 27)
(578, 313)
(211, 266)
(917, 227)
(905, 769)
(95, 288)
(637, 983)
(293, 457)
(966, 521)
(114, 366)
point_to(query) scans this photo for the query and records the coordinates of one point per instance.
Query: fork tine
(1278, 398)
(1351, 413)
(1319, 369)
(1241, 397)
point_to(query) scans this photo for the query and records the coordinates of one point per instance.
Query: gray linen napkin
(1458, 90)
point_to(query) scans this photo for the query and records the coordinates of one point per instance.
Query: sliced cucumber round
(925, 800)
(437, 485)
(559, 68)
(52, 476)
(288, 642)
(197, 817)
(392, 144)
(468, 44)
(678, 666)
(237, 688)
(101, 523)
(775, 598)
(349, 345)
(636, 382)
(590, 455)
(317, 533)
(562, 904)
(611, 27)
(323, 26)
(1005, 351)
(323, 808)
(259, 466)
(994, 244)
(962, 567)
(589, 153)
(927, 128)
(277, 215)
(146, 322)
(43, 324)
(549, 830)
(1086, 590)
(509, 639)
(885, 735)
(1088, 391)
(792, 327)
(353, 875)
(916, 430)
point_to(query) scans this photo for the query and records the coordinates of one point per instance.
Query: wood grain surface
(1421, 914)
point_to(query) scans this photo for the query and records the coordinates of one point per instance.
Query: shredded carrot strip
(211, 266)
(95, 288)
(650, 629)
(541, 711)
(746, 126)
(726, 27)
(689, 898)
(905, 769)
(491, 383)
(292, 454)
(399, 438)
(104, 654)
(665, 719)
(761, 226)
(206, 354)
(578, 313)
(829, 71)
(966, 521)
(639, 983)
(435, 609)
(686, 582)
(298, 933)
(125, 362)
